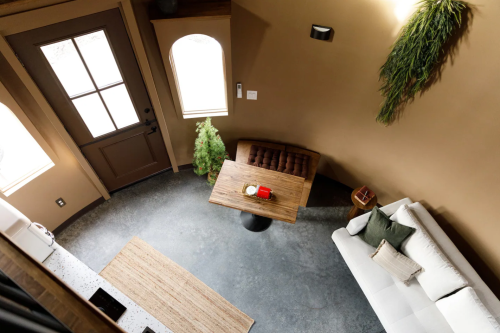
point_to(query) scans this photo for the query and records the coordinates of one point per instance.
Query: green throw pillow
(381, 227)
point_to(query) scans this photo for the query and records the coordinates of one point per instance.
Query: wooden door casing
(155, 157)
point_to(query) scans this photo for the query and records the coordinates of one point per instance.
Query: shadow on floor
(326, 192)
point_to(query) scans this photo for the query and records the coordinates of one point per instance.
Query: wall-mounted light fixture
(320, 32)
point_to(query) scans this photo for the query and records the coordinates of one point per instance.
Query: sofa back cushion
(457, 259)
(279, 160)
(465, 313)
(439, 277)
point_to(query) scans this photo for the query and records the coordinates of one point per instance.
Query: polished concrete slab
(289, 278)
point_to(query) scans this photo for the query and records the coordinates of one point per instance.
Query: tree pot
(168, 6)
(215, 173)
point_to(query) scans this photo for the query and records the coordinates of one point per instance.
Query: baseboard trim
(76, 216)
(185, 167)
(141, 180)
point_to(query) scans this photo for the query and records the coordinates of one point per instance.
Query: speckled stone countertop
(86, 282)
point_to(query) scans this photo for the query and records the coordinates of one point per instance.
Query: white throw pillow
(439, 277)
(465, 313)
(397, 264)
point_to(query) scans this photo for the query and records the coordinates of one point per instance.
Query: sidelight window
(87, 70)
(198, 67)
(21, 157)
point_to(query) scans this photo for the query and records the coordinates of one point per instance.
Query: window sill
(13, 188)
(205, 114)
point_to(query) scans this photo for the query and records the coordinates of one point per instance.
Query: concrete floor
(289, 278)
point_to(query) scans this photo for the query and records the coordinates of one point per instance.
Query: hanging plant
(416, 55)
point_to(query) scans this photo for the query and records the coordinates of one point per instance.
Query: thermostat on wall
(239, 90)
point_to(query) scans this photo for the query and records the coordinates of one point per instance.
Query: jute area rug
(170, 293)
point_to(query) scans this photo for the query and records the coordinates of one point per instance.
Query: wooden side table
(358, 207)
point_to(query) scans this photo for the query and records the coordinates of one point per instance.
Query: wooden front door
(87, 70)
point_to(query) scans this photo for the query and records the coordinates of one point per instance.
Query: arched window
(198, 67)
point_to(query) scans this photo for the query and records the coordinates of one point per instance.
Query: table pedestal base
(254, 222)
(354, 212)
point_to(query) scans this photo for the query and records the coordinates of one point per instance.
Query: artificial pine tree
(209, 151)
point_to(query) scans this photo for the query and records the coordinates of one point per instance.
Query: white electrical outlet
(60, 202)
(251, 94)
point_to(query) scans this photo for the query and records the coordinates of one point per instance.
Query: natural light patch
(94, 115)
(403, 9)
(198, 64)
(98, 56)
(66, 63)
(21, 157)
(120, 106)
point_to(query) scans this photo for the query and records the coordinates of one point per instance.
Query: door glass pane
(99, 58)
(198, 63)
(120, 106)
(68, 66)
(94, 114)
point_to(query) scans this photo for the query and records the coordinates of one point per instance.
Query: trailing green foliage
(209, 151)
(416, 54)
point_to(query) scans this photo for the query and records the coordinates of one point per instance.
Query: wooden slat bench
(243, 152)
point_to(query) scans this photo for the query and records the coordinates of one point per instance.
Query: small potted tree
(209, 151)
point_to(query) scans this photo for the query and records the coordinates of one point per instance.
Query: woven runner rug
(170, 293)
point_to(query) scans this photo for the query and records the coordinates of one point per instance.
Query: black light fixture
(321, 32)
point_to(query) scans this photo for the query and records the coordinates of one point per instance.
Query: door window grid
(105, 122)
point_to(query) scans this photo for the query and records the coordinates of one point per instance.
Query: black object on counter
(107, 304)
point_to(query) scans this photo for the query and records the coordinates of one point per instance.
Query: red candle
(264, 192)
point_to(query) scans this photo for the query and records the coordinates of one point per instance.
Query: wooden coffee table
(358, 207)
(257, 214)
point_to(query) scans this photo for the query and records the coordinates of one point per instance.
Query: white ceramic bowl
(251, 190)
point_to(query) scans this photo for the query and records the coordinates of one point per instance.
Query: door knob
(147, 110)
(153, 130)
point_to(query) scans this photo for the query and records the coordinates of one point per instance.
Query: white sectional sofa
(408, 309)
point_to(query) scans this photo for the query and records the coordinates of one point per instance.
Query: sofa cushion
(279, 160)
(439, 277)
(395, 263)
(466, 313)
(457, 259)
(413, 312)
(358, 223)
(400, 308)
(381, 227)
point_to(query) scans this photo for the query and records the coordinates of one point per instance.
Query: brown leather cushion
(279, 160)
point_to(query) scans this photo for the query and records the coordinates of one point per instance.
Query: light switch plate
(251, 94)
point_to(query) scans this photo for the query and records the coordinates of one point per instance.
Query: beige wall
(66, 179)
(323, 96)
